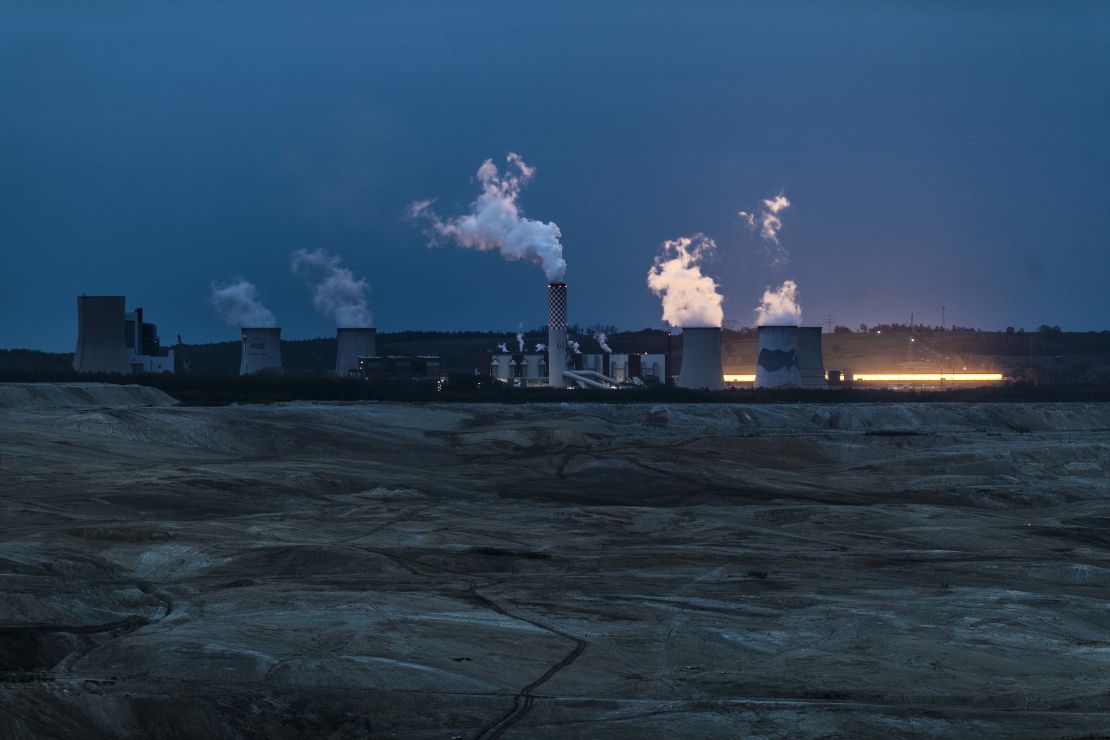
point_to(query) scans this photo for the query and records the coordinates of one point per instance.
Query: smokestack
(556, 334)
(701, 358)
(777, 366)
(101, 335)
(350, 344)
(261, 350)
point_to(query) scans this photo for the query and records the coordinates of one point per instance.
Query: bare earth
(552, 571)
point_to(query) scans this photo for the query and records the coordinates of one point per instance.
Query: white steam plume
(520, 341)
(540, 346)
(780, 307)
(238, 305)
(602, 340)
(689, 298)
(497, 223)
(770, 223)
(502, 347)
(574, 346)
(337, 293)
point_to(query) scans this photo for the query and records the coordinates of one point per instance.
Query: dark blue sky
(936, 153)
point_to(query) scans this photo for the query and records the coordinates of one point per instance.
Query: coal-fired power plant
(556, 334)
(350, 344)
(790, 357)
(101, 335)
(261, 350)
(701, 358)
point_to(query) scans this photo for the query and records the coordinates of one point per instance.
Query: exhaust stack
(350, 344)
(261, 351)
(701, 358)
(556, 334)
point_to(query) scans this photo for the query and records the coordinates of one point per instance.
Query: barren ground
(552, 571)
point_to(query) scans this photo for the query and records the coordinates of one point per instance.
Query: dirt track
(558, 571)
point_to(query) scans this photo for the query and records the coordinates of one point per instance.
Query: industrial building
(261, 350)
(530, 369)
(419, 368)
(112, 340)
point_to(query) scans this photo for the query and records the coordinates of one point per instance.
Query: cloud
(237, 304)
(780, 307)
(337, 293)
(689, 298)
(770, 224)
(496, 222)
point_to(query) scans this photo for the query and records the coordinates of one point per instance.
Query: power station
(112, 340)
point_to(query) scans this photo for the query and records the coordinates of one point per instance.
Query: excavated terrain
(541, 571)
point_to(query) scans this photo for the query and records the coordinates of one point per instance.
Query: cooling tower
(701, 358)
(556, 334)
(261, 351)
(777, 366)
(350, 344)
(101, 336)
(810, 360)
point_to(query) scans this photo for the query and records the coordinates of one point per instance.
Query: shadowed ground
(554, 571)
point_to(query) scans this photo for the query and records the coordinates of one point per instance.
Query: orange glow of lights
(739, 378)
(926, 377)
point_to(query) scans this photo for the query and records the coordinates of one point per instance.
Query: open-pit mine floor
(528, 571)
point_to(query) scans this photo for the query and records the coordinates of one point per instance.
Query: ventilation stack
(101, 335)
(556, 334)
(351, 344)
(261, 351)
(701, 358)
(811, 364)
(777, 366)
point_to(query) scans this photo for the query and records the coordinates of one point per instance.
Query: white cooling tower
(556, 334)
(350, 344)
(777, 366)
(811, 364)
(261, 351)
(101, 335)
(701, 358)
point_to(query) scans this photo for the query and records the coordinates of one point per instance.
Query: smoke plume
(602, 340)
(780, 307)
(497, 223)
(520, 341)
(237, 304)
(540, 346)
(770, 223)
(337, 293)
(574, 346)
(502, 347)
(689, 298)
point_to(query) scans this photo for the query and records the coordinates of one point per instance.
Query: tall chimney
(556, 334)
(351, 344)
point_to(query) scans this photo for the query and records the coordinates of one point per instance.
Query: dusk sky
(934, 153)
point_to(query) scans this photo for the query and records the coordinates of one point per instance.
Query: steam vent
(261, 351)
(790, 357)
(701, 358)
(350, 344)
(556, 334)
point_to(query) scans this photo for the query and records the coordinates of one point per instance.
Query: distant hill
(1054, 356)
